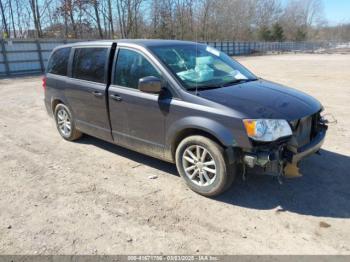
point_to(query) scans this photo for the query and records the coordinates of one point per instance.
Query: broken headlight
(267, 130)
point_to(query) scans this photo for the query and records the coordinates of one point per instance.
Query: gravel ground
(91, 197)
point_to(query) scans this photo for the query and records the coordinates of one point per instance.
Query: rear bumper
(48, 107)
(310, 148)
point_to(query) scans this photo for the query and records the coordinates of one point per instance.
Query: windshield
(200, 66)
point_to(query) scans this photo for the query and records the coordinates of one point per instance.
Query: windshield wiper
(204, 87)
(238, 81)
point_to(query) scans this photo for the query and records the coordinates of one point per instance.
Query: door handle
(96, 93)
(116, 97)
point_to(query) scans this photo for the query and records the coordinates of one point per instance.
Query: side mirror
(150, 84)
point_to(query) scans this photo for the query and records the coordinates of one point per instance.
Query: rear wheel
(65, 123)
(201, 162)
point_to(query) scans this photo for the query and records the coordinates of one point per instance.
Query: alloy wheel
(64, 122)
(199, 165)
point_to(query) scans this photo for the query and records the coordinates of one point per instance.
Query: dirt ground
(91, 197)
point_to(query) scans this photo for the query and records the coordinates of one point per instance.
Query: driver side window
(131, 66)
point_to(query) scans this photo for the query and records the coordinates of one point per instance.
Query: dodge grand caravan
(185, 103)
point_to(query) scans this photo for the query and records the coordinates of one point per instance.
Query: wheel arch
(54, 103)
(199, 126)
(191, 132)
(59, 99)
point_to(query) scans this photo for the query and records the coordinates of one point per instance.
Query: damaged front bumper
(282, 158)
(294, 155)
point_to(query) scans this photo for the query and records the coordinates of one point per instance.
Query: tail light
(44, 83)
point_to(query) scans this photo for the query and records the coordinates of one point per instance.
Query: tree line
(201, 20)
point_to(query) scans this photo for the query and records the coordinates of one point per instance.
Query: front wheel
(201, 162)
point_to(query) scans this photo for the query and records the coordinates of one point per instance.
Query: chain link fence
(24, 57)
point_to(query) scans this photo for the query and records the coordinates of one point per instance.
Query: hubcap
(64, 122)
(199, 165)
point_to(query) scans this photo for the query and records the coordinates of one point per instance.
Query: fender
(54, 92)
(216, 129)
(61, 98)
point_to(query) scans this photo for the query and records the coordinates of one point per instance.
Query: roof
(154, 42)
(141, 42)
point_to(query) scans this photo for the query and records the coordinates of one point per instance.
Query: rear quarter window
(89, 64)
(59, 62)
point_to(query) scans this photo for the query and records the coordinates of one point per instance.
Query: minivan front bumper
(308, 149)
(272, 160)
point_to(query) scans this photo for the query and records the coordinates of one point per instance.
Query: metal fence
(249, 48)
(22, 57)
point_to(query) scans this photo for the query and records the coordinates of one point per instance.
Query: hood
(264, 99)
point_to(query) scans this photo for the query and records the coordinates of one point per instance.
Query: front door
(143, 128)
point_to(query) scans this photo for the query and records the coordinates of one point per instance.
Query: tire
(64, 119)
(193, 172)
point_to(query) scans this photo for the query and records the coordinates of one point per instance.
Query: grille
(303, 131)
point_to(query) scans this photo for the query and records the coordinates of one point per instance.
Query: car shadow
(132, 155)
(324, 189)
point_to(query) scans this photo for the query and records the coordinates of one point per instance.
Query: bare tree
(12, 19)
(36, 17)
(204, 18)
(4, 20)
(23, 14)
(181, 19)
(163, 18)
(128, 17)
(268, 12)
(313, 12)
(184, 17)
(95, 5)
(301, 17)
(110, 17)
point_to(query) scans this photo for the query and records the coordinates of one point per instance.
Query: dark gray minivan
(185, 103)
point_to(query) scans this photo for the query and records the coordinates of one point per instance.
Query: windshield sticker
(238, 75)
(213, 51)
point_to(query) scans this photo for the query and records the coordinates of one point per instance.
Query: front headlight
(267, 130)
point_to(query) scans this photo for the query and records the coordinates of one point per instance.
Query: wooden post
(42, 66)
(4, 54)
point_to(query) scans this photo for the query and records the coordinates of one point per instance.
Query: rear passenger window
(89, 64)
(59, 62)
